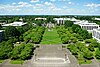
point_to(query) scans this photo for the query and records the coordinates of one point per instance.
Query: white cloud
(52, 0)
(70, 3)
(9, 8)
(48, 3)
(34, 1)
(61, 0)
(93, 5)
(64, 7)
(13, 3)
(24, 4)
(57, 9)
(38, 6)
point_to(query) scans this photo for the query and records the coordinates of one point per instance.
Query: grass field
(51, 37)
(17, 61)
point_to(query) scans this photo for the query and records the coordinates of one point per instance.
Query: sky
(49, 7)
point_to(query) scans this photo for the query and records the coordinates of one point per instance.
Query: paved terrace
(52, 56)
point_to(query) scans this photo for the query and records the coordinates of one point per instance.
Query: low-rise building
(97, 18)
(39, 18)
(60, 20)
(73, 19)
(16, 24)
(87, 26)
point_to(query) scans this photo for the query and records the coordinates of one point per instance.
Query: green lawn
(17, 61)
(51, 37)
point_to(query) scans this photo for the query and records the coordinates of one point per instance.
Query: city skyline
(49, 7)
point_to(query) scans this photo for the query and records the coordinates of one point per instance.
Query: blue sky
(49, 7)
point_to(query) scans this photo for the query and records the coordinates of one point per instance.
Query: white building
(87, 26)
(39, 18)
(97, 18)
(73, 19)
(96, 34)
(60, 20)
(15, 24)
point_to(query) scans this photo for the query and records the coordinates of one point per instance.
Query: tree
(73, 49)
(39, 22)
(68, 24)
(36, 38)
(91, 47)
(97, 53)
(11, 31)
(15, 54)
(5, 48)
(88, 54)
(75, 27)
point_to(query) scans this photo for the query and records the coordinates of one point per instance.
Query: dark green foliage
(11, 31)
(68, 24)
(75, 28)
(83, 33)
(5, 49)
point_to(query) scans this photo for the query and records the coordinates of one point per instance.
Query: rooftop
(1, 30)
(15, 24)
(40, 18)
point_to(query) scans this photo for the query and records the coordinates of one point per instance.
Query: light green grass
(17, 61)
(51, 37)
(1, 61)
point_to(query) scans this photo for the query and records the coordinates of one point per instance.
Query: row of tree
(67, 36)
(80, 51)
(34, 35)
(11, 35)
(22, 52)
(5, 48)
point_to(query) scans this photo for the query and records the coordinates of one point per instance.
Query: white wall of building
(96, 34)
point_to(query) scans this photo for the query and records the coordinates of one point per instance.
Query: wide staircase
(50, 56)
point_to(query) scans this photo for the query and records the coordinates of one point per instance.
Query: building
(97, 18)
(87, 26)
(96, 34)
(39, 18)
(60, 20)
(1, 32)
(73, 19)
(16, 24)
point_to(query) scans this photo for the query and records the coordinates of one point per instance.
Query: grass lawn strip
(51, 37)
(17, 61)
(1, 61)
